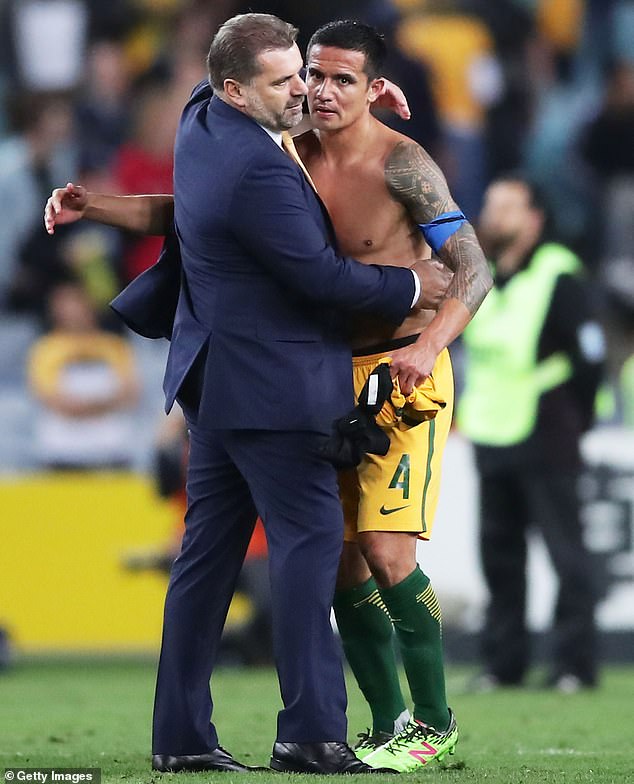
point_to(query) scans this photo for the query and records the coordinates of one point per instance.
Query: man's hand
(434, 278)
(393, 98)
(65, 205)
(412, 364)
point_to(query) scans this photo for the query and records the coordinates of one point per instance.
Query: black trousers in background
(511, 503)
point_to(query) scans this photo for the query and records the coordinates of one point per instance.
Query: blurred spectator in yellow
(466, 78)
(86, 383)
(32, 160)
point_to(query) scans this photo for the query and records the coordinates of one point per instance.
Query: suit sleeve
(271, 218)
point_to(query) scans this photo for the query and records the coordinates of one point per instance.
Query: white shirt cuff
(417, 288)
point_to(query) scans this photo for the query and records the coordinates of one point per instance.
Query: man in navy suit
(143, 314)
(259, 364)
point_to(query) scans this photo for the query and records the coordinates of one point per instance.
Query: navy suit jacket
(257, 339)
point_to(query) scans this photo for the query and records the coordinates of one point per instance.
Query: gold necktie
(289, 146)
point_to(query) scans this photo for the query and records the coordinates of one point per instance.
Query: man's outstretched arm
(415, 180)
(148, 214)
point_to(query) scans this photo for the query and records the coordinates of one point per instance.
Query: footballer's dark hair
(355, 37)
(235, 48)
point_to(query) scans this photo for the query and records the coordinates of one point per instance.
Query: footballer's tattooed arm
(414, 180)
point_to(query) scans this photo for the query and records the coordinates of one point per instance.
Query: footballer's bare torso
(370, 225)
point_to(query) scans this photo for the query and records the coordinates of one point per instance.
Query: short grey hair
(235, 48)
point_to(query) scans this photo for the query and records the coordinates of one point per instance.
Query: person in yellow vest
(534, 356)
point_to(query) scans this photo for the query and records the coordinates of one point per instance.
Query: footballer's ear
(376, 88)
(389, 96)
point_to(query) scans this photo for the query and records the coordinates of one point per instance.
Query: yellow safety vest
(504, 379)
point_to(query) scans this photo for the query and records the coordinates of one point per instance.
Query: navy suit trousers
(234, 475)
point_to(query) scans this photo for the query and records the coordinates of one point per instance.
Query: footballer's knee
(391, 557)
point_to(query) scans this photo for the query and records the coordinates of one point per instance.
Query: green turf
(97, 714)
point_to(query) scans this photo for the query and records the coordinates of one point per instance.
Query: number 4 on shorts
(400, 480)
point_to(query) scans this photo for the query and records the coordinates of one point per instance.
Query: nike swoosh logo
(385, 511)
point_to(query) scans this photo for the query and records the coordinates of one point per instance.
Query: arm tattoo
(415, 181)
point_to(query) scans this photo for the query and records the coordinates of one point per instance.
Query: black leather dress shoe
(218, 759)
(319, 758)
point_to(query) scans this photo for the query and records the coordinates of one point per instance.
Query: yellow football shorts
(399, 492)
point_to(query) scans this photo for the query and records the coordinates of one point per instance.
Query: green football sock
(366, 633)
(415, 613)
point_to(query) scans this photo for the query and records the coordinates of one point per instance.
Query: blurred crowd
(91, 92)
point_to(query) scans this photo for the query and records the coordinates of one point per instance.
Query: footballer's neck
(351, 143)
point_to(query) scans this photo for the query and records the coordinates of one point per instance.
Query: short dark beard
(495, 246)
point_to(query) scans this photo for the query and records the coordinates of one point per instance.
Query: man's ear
(234, 91)
(375, 88)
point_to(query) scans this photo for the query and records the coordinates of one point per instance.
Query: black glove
(357, 433)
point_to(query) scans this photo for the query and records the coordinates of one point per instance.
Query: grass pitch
(97, 713)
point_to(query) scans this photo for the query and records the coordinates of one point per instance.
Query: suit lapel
(289, 147)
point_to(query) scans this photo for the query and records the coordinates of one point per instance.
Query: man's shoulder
(200, 96)
(389, 137)
(202, 91)
(404, 161)
(224, 137)
(391, 145)
(398, 143)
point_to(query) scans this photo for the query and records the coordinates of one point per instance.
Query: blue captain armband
(438, 231)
